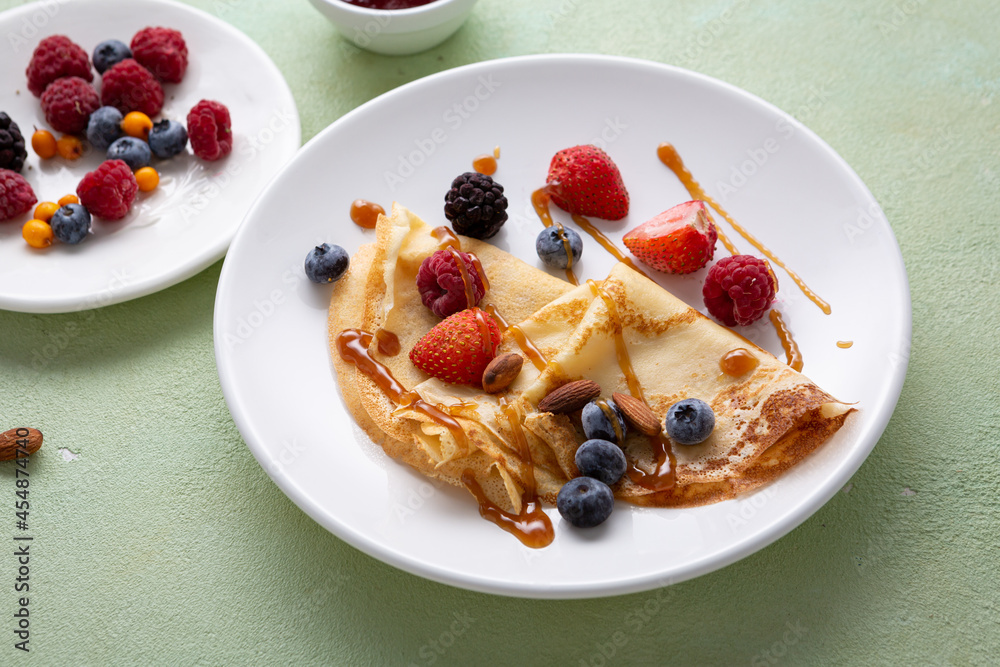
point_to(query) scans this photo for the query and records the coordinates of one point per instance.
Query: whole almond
(19, 442)
(501, 372)
(637, 413)
(570, 397)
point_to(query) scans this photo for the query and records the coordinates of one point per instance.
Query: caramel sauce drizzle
(561, 233)
(485, 164)
(365, 213)
(352, 345)
(501, 322)
(668, 155)
(663, 476)
(528, 347)
(470, 288)
(540, 201)
(793, 356)
(624, 362)
(738, 362)
(446, 238)
(479, 269)
(388, 342)
(844, 344)
(531, 525)
(608, 245)
(613, 419)
(484, 330)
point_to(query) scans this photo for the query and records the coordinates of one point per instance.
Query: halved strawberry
(459, 348)
(583, 180)
(679, 240)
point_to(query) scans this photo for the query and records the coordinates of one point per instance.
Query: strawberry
(455, 350)
(583, 180)
(679, 240)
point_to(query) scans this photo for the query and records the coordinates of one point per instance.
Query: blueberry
(690, 421)
(601, 460)
(71, 223)
(108, 53)
(104, 127)
(551, 249)
(597, 423)
(326, 263)
(134, 152)
(167, 138)
(585, 502)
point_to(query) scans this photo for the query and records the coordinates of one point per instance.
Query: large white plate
(799, 197)
(188, 222)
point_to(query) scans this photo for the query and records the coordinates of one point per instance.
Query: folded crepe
(626, 333)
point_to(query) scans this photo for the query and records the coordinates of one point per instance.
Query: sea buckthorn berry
(147, 178)
(137, 124)
(68, 199)
(45, 210)
(37, 233)
(44, 144)
(69, 147)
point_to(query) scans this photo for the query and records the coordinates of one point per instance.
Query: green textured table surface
(159, 539)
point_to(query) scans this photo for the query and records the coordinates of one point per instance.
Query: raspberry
(475, 205)
(55, 57)
(16, 195)
(442, 287)
(109, 190)
(739, 289)
(68, 103)
(210, 130)
(128, 86)
(12, 150)
(162, 51)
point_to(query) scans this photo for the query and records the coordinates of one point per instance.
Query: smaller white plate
(187, 223)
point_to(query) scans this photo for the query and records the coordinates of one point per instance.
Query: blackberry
(475, 205)
(12, 152)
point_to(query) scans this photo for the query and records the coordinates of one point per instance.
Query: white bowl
(396, 32)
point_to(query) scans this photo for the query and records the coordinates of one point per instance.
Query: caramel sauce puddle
(365, 213)
(668, 155)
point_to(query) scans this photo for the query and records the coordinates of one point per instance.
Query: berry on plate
(601, 460)
(690, 421)
(583, 180)
(441, 283)
(475, 205)
(210, 130)
(109, 190)
(162, 51)
(37, 233)
(455, 350)
(679, 240)
(16, 195)
(133, 152)
(104, 128)
(128, 86)
(67, 104)
(43, 143)
(551, 245)
(71, 223)
(55, 57)
(739, 289)
(326, 263)
(585, 502)
(167, 138)
(12, 150)
(109, 53)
